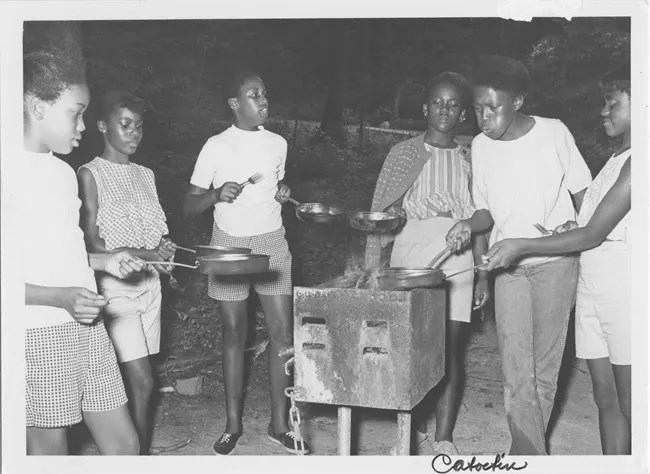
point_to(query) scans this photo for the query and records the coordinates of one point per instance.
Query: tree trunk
(332, 121)
(366, 92)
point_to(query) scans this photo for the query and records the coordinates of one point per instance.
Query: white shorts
(421, 240)
(132, 315)
(603, 304)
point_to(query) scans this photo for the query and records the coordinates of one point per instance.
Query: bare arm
(479, 247)
(82, 304)
(36, 295)
(88, 211)
(480, 221)
(199, 199)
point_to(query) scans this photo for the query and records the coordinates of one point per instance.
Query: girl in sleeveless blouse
(428, 179)
(603, 310)
(121, 210)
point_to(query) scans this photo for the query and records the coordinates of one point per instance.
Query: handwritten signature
(443, 463)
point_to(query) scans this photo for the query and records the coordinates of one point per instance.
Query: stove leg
(403, 433)
(345, 430)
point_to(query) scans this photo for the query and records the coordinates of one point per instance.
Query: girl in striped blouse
(428, 178)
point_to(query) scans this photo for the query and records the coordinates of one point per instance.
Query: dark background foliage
(340, 71)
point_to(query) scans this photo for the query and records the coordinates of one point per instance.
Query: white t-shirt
(528, 180)
(54, 249)
(235, 155)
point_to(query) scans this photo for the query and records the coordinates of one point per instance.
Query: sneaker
(422, 445)
(444, 447)
(226, 443)
(286, 440)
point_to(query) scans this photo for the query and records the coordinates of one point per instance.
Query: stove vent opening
(313, 320)
(373, 323)
(313, 346)
(375, 350)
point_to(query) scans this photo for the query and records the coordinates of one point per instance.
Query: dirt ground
(188, 425)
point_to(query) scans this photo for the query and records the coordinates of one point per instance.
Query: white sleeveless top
(129, 212)
(597, 191)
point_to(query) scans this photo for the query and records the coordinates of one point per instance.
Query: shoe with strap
(226, 443)
(288, 441)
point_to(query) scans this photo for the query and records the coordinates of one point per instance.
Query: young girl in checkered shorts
(248, 217)
(71, 370)
(121, 210)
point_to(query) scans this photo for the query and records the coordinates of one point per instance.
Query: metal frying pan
(317, 213)
(408, 278)
(227, 264)
(375, 222)
(214, 250)
(405, 278)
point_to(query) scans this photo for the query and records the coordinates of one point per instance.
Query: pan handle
(178, 247)
(193, 267)
(293, 201)
(475, 267)
(441, 257)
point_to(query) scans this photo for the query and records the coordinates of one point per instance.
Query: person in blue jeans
(526, 170)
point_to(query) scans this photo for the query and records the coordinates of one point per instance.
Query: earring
(461, 119)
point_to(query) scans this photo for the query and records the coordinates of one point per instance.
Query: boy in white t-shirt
(602, 234)
(248, 216)
(526, 169)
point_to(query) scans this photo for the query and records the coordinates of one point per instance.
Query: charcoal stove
(363, 347)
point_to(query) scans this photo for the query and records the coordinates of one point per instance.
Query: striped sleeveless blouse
(129, 212)
(442, 186)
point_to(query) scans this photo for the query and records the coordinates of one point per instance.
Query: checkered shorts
(70, 368)
(277, 281)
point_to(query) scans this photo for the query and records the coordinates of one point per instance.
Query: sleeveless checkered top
(129, 212)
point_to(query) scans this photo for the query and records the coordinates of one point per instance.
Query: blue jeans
(532, 309)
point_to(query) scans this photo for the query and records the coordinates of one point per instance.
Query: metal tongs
(543, 230)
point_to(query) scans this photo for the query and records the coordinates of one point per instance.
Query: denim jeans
(532, 309)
